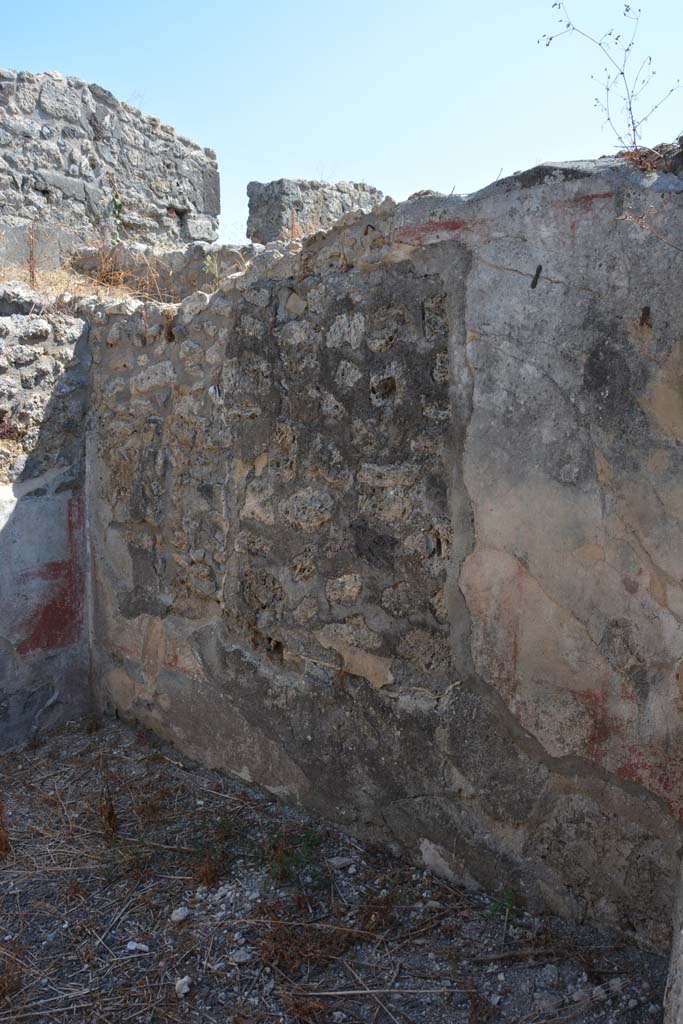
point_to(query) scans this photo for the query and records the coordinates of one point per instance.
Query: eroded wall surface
(393, 528)
(44, 649)
(77, 167)
(288, 209)
(673, 996)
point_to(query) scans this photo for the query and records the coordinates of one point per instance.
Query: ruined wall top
(285, 209)
(80, 165)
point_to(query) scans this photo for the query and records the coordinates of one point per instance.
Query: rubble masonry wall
(392, 526)
(79, 167)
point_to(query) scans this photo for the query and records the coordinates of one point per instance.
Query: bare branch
(618, 74)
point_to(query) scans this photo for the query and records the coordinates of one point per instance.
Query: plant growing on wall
(625, 79)
(117, 207)
(212, 268)
(32, 261)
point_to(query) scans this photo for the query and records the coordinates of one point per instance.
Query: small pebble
(548, 977)
(180, 914)
(182, 986)
(547, 1001)
(137, 947)
(240, 956)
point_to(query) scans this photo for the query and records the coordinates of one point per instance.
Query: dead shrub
(11, 973)
(291, 946)
(305, 1009)
(107, 813)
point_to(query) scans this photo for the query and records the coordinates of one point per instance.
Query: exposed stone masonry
(373, 529)
(80, 166)
(285, 209)
(388, 521)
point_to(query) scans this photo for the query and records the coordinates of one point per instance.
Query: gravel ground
(135, 886)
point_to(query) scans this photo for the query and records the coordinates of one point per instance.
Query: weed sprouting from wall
(32, 262)
(625, 79)
(211, 267)
(117, 208)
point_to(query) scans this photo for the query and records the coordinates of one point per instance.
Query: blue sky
(403, 95)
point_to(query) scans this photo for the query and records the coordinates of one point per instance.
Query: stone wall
(393, 527)
(168, 274)
(673, 998)
(285, 209)
(79, 166)
(44, 649)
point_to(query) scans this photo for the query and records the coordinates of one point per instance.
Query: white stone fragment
(180, 914)
(183, 986)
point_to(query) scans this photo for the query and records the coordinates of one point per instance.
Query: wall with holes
(392, 526)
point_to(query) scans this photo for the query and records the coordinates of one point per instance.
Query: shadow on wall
(44, 659)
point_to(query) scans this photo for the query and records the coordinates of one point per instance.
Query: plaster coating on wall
(390, 527)
(387, 520)
(44, 650)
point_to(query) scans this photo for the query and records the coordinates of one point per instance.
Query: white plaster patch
(10, 494)
(434, 858)
(8, 501)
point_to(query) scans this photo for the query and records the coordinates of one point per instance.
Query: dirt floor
(135, 886)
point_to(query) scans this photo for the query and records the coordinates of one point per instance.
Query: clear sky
(438, 94)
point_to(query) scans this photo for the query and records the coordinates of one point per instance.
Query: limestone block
(284, 210)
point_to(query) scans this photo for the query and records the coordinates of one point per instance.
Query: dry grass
(294, 946)
(32, 265)
(207, 871)
(111, 279)
(4, 835)
(108, 817)
(60, 281)
(305, 1010)
(137, 277)
(11, 973)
